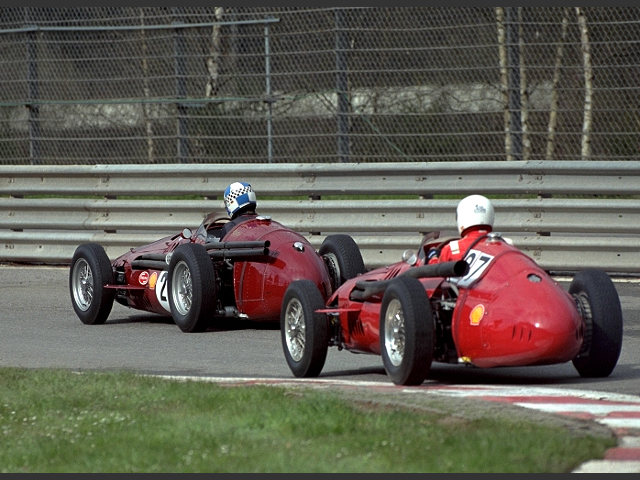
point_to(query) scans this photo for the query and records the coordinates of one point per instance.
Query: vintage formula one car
(495, 308)
(198, 276)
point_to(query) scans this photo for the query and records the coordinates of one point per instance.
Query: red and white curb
(619, 412)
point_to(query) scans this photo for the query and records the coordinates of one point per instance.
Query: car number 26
(478, 262)
(161, 290)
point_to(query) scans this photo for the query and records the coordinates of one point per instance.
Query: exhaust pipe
(365, 290)
(216, 250)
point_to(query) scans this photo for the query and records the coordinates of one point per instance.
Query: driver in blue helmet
(240, 203)
(240, 199)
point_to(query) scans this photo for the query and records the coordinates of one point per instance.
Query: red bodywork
(249, 288)
(506, 311)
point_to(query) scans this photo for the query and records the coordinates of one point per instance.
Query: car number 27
(478, 262)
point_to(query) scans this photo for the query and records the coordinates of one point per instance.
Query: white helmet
(237, 196)
(474, 210)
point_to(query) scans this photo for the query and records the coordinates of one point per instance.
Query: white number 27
(478, 262)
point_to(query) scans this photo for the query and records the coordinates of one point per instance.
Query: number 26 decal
(161, 291)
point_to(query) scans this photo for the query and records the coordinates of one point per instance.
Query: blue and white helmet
(238, 195)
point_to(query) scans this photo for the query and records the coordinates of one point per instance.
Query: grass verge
(61, 421)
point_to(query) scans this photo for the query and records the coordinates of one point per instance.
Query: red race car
(495, 308)
(198, 276)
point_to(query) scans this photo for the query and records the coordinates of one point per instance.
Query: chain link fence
(125, 85)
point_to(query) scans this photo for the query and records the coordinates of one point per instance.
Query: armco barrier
(567, 215)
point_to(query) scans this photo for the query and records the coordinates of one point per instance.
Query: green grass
(60, 421)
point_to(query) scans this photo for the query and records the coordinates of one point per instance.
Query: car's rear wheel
(597, 299)
(192, 287)
(406, 332)
(90, 271)
(304, 333)
(342, 257)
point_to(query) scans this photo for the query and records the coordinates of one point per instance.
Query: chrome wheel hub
(394, 332)
(295, 329)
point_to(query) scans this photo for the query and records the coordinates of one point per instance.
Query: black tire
(90, 270)
(343, 258)
(599, 304)
(304, 333)
(406, 332)
(192, 287)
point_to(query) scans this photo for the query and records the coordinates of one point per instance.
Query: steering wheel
(428, 243)
(212, 220)
(219, 220)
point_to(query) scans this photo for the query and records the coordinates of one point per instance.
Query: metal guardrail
(566, 215)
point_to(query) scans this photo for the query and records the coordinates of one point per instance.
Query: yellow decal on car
(476, 314)
(153, 280)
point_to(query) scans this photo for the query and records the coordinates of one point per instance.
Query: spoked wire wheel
(295, 329)
(394, 332)
(304, 331)
(406, 331)
(82, 284)
(192, 287)
(182, 288)
(89, 274)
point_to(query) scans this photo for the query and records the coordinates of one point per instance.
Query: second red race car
(197, 277)
(495, 308)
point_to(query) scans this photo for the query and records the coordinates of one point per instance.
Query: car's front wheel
(599, 305)
(192, 287)
(406, 331)
(304, 333)
(90, 271)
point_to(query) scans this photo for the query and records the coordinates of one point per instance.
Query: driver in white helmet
(475, 216)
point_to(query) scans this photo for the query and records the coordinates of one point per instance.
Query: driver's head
(239, 198)
(474, 210)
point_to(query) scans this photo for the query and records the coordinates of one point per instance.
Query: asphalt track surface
(39, 329)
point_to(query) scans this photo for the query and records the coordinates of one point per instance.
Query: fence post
(342, 86)
(34, 107)
(268, 98)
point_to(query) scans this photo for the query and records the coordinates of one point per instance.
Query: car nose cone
(540, 326)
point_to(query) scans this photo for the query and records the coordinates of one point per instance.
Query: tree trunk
(524, 93)
(146, 106)
(553, 109)
(588, 84)
(504, 80)
(213, 61)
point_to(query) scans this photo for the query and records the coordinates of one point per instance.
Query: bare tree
(504, 79)
(146, 105)
(588, 84)
(553, 109)
(524, 93)
(213, 60)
